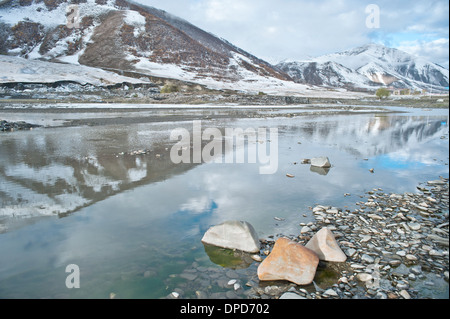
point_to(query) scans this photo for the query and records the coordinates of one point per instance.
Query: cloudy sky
(297, 29)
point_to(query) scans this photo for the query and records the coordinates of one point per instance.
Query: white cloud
(296, 29)
(226, 10)
(436, 50)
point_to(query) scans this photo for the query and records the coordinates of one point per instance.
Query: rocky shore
(393, 241)
(396, 247)
(6, 126)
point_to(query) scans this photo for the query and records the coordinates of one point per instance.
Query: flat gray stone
(291, 295)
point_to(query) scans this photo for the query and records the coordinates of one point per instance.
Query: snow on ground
(15, 69)
(251, 82)
(162, 70)
(38, 12)
(136, 20)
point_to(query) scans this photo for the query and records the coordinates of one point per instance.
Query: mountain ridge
(368, 67)
(126, 36)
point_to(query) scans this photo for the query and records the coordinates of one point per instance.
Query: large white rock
(238, 235)
(323, 162)
(326, 247)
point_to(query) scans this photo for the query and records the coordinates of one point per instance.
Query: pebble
(365, 239)
(291, 295)
(376, 217)
(414, 226)
(395, 263)
(332, 211)
(405, 294)
(402, 286)
(231, 282)
(416, 270)
(411, 257)
(331, 293)
(257, 258)
(435, 253)
(305, 229)
(364, 277)
(350, 252)
(368, 259)
(357, 266)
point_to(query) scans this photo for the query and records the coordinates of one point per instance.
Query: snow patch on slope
(136, 20)
(38, 12)
(15, 69)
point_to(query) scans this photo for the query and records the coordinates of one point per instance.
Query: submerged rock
(289, 261)
(228, 258)
(238, 235)
(320, 170)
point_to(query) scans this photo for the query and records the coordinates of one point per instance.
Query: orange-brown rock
(289, 261)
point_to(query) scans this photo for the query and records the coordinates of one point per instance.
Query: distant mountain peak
(368, 67)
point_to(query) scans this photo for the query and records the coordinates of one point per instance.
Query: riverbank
(6, 126)
(99, 114)
(24, 95)
(162, 252)
(396, 247)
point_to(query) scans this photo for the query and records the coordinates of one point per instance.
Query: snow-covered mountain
(122, 35)
(368, 67)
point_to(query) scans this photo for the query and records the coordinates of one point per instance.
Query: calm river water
(133, 223)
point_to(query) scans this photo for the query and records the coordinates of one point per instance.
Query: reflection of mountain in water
(379, 135)
(47, 173)
(60, 171)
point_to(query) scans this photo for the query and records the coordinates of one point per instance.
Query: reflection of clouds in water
(47, 175)
(173, 210)
(138, 173)
(370, 136)
(197, 205)
(169, 211)
(407, 158)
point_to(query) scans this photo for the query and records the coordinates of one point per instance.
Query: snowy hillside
(16, 69)
(121, 35)
(369, 66)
